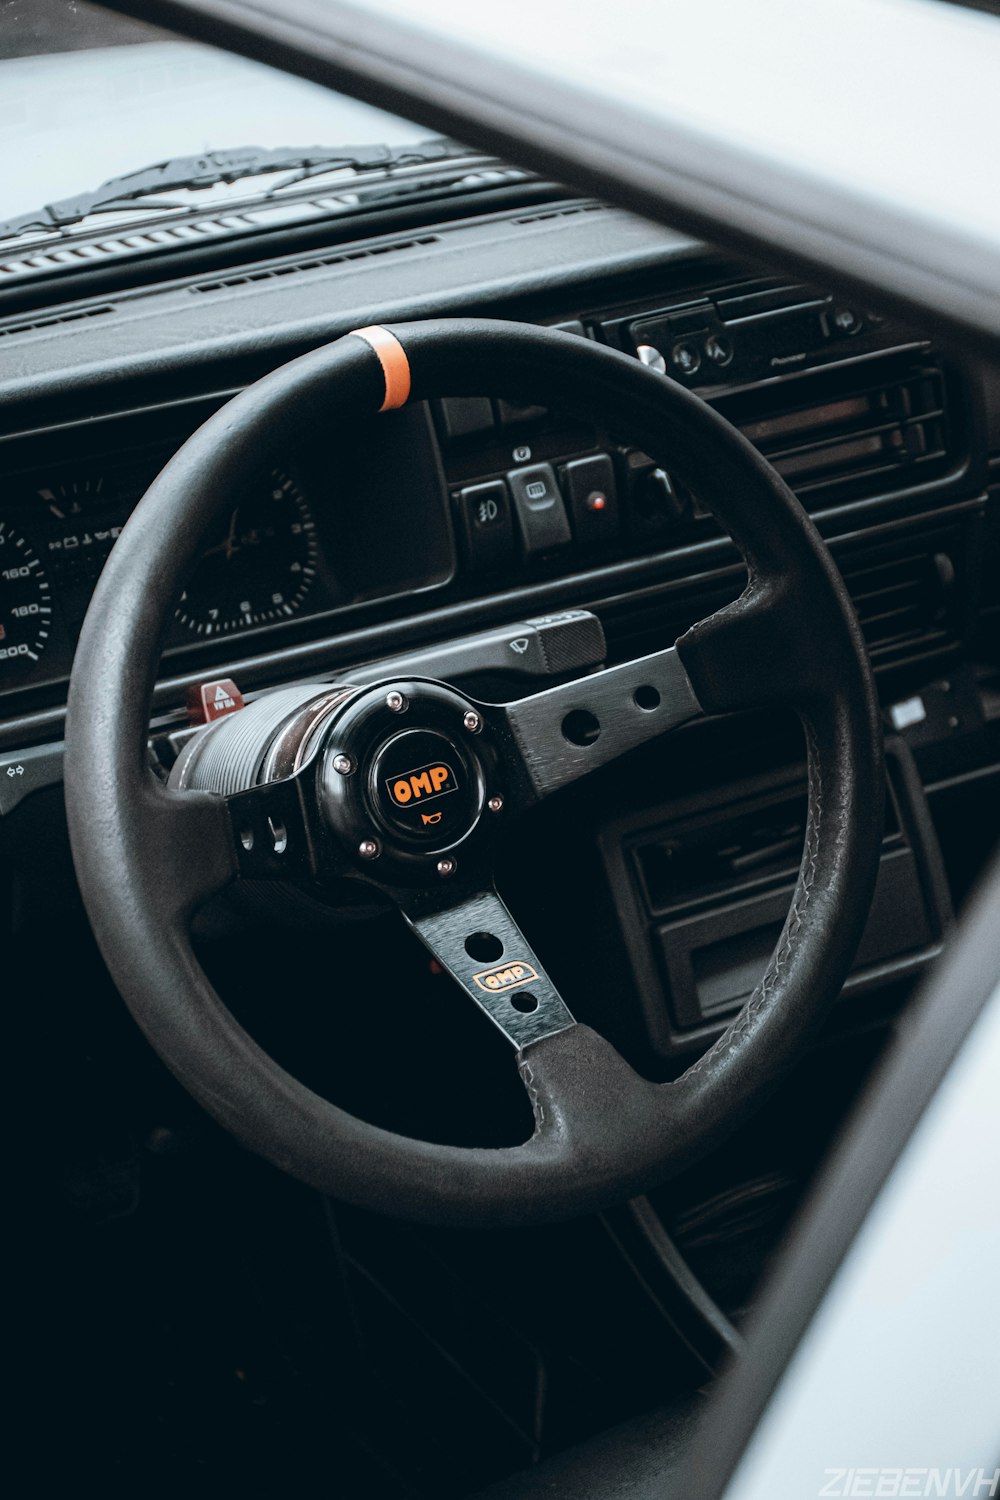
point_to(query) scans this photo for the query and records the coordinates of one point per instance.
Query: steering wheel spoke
(275, 832)
(566, 732)
(477, 941)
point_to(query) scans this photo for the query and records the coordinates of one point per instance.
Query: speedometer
(258, 568)
(25, 601)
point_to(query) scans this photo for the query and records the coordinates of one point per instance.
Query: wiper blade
(189, 173)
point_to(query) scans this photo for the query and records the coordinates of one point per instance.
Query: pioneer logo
(422, 784)
(506, 977)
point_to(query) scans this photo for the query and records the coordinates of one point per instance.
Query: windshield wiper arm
(208, 170)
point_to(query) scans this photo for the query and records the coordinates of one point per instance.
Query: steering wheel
(409, 784)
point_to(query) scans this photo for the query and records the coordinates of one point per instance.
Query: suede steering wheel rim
(147, 855)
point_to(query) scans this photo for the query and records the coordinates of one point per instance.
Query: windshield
(86, 95)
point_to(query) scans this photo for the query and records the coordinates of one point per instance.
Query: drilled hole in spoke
(524, 1001)
(246, 839)
(484, 947)
(581, 727)
(646, 697)
(279, 836)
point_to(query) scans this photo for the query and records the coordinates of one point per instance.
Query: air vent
(7, 330)
(904, 601)
(907, 601)
(875, 426)
(314, 263)
(563, 213)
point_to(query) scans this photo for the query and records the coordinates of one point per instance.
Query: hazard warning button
(213, 700)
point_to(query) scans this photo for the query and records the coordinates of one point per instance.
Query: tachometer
(25, 601)
(259, 569)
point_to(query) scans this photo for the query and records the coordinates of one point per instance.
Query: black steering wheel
(408, 785)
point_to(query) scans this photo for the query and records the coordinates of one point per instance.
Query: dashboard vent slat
(864, 429)
(902, 601)
(8, 330)
(562, 213)
(312, 263)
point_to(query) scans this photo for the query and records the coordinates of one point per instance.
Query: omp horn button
(422, 787)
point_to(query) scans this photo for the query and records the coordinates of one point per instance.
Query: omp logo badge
(506, 977)
(422, 784)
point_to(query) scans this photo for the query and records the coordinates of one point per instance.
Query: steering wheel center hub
(425, 787)
(412, 781)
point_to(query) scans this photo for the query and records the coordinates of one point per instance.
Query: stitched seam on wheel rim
(793, 925)
(537, 1107)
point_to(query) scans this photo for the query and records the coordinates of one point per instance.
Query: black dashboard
(479, 495)
(422, 534)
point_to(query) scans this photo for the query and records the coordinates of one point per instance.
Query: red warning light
(597, 501)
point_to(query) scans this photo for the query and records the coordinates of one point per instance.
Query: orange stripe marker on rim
(395, 365)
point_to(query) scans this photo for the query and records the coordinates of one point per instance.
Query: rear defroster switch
(538, 505)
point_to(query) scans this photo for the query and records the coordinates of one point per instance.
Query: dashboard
(444, 504)
(497, 544)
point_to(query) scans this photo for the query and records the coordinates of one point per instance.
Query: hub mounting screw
(343, 764)
(396, 702)
(369, 848)
(472, 721)
(446, 867)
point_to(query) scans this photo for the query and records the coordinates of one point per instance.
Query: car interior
(467, 598)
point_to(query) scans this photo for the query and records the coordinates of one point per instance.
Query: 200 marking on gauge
(25, 600)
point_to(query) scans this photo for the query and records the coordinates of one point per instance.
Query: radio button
(685, 358)
(719, 350)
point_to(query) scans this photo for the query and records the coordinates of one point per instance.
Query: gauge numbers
(25, 601)
(258, 569)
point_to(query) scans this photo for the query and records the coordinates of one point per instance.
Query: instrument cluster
(264, 564)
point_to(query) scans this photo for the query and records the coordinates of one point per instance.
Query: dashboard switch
(538, 505)
(593, 499)
(510, 414)
(209, 701)
(486, 523)
(465, 416)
